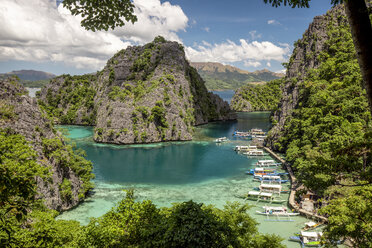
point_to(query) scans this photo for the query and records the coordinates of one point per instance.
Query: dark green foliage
(102, 15)
(265, 97)
(65, 189)
(158, 113)
(35, 84)
(325, 138)
(64, 155)
(76, 93)
(187, 224)
(18, 169)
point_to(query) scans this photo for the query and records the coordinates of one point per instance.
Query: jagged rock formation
(70, 174)
(303, 59)
(144, 94)
(221, 77)
(262, 97)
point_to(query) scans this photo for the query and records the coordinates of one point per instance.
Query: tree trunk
(361, 30)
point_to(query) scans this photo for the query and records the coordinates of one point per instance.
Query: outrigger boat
(267, 163)
(270, 179)
(262, 197)
(277, 211)
(245, 148)
(260, 171)
(311, 225)
(257, 131)
(271, 188)
(242, 134)
(255, 153)
(308, 239)
(222, 139)
(281, 191)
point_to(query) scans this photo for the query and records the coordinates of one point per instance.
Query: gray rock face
(144, 94)
(30, 122)
(303, 59)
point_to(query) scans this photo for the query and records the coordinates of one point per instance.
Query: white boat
(257, 131)
(262, 197)
(222, 139)
(245, 148)
(270, 179)
(267, 163)
(276, 211)
(271, 188)
(255, 153)
(308, 239)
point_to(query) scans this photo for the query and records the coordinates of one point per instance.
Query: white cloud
(268, 64)
(282, 71)
(206, 29)
(252, 63)
(229, 51)
(254, 35)
(39, 31)
(273, 22)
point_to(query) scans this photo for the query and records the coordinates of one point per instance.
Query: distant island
(30, 78)
(226, 77)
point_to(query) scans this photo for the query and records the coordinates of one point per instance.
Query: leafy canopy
(102, 14)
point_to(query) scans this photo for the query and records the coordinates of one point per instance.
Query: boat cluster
(253, 133)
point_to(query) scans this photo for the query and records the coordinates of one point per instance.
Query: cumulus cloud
(39, 31)
(229, 51)
(252, 63)
(273, 22)
(268, 64)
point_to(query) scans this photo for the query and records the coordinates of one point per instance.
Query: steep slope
(323, 119)
(70, 174)
(264, 97)
(144, 94)
(220, 77)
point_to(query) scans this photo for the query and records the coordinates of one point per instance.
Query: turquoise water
(170, 172)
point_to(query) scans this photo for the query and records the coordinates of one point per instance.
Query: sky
(249, 34)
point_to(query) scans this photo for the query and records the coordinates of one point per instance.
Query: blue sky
(252, 35)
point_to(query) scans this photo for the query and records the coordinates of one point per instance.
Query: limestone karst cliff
(144, 94)
(69, 174)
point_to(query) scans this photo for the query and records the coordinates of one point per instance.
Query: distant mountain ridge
(221, 77)
(30, 75)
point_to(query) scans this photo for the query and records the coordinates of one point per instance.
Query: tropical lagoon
(199, 170)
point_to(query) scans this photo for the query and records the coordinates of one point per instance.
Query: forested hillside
(225, 77)
(262, 97)
(323, 124)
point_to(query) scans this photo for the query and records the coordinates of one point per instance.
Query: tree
(102, 14)
(361, 29)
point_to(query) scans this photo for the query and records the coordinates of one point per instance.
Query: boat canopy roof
(259, 169)
(266, 161)
(253, 193)
(276, 186)
(310, 223)
(266, 194)
(270, 177)
(311, 234)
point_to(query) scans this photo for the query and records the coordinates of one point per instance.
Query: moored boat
(308, 239)
(267, 163)
(262, 197)
(245, 148)
(277, 211)
(255, 153)
(260, 171)
(270, 179)
(271, 188)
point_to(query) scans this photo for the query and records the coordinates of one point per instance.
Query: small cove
(199, 170)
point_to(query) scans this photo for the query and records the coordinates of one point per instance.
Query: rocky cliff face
(21, 114)
(303, 59)
(144, 94)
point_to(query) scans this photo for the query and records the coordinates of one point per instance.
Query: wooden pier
(295, 185)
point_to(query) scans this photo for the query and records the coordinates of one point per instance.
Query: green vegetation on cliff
(328, 138)
(261, 97)
(225, 77)
(76, 95)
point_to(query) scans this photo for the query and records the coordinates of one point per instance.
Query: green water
(170, 172)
